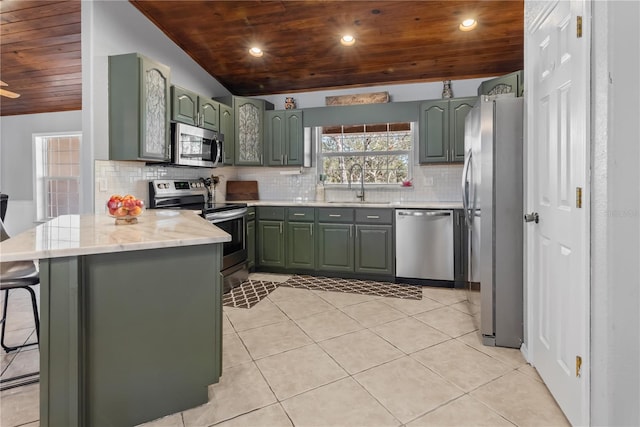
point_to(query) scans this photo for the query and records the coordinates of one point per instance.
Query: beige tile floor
(314, 358)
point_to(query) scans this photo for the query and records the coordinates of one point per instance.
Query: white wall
(397, 93)
(16, 160)
(615, 212)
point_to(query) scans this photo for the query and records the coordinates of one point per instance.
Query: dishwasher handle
(424, 213)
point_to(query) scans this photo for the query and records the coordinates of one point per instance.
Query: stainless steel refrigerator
(492, 193)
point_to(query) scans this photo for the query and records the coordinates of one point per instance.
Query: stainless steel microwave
(193, 146)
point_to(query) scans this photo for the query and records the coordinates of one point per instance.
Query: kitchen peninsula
(131, 315)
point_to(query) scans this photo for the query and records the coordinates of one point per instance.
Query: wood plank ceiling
(396, 42)
(40, 56)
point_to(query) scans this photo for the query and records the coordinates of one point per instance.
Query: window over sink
(384, 150)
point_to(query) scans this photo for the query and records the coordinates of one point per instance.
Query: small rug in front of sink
(354, 286)
(248, 293)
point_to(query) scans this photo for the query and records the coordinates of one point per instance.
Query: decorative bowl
(125, 209)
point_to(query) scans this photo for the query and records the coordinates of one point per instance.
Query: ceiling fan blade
(3, 83)
(9, 94)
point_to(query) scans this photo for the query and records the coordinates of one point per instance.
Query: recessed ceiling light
(256, 51)
(468, 24)
(348, 40)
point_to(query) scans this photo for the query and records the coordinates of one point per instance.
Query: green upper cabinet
(284, 137)
(209, 113)
(510, 83)
(434, 131)
(139, 110)
(458, 110)
(442, 129)
(193, 109)
(227, 129)
(248, 117)
(275, 132)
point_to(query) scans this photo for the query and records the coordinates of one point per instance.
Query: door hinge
(579, 27)
(579, 197)
(578, 366)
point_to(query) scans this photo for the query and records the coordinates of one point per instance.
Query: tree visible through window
(383, 150)
(57, 168)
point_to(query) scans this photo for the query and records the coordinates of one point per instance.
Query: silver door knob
(532, 217)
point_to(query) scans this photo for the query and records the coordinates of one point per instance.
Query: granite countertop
(73, 235)
(392, 205)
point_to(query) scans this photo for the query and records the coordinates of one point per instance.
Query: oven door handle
(226, 216)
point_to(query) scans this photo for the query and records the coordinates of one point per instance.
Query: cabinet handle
(282, 159)
(373, 217)
(335, 215)
(286, 159)
(280, 228)
(311, 229)
(350, 230)
(298, 214)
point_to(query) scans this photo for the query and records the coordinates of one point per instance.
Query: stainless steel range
(231, 217)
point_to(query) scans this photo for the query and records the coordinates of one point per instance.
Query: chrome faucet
(361, 195)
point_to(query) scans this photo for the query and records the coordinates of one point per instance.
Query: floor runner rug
(355, 286)
(250, 292)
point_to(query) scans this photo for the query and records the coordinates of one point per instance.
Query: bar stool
(18, 275)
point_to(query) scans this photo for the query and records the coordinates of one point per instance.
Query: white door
(557, 96)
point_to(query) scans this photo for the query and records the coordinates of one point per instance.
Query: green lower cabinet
(335, 247)
(251, 244)
(374, 249)
(271, 244)
(300, 245)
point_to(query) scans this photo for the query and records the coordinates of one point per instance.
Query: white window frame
(39, 180)
(410, 153)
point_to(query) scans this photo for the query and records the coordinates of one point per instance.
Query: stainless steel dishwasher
(424, 244)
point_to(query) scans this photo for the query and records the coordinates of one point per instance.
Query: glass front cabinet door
(139, 113)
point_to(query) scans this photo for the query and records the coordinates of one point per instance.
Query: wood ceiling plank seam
(31, 74)
(38, 34)
(26, 45)
(40, 24)
(39, 11)
(49, 50)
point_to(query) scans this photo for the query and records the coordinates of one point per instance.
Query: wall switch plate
(428, 181)
(102, 184)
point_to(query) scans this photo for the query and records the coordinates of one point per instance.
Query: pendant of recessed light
(468, 24)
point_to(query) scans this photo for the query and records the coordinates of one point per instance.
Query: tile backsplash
(430, 183)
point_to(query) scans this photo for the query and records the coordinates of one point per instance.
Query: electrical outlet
(428, 181)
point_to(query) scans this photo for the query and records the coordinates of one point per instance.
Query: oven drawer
(271, 212)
